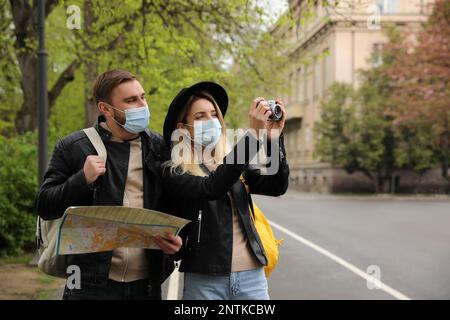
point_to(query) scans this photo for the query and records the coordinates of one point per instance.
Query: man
(77, 176)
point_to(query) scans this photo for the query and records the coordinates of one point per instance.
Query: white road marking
(382, 286)
(173, 286)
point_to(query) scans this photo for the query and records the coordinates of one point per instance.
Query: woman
(223, 257)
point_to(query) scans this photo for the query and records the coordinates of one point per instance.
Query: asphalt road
(331, 241)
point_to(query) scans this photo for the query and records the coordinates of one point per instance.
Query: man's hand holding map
(105, 228)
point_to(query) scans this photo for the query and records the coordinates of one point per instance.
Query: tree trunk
(26, 117)
(24, 18)
(90, 73)
(25, 30)
(90, 109)
(383, 183)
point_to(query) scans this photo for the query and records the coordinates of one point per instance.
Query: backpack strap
(96, 141)
(99, 146)
(249, 197)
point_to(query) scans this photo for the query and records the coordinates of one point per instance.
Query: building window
(330, 7)
(298, 84)
(317, 78)
(377, 55)
(309, 84)
(388, 6)
(290, 93)
(306, 153)
(328, 72)
(307, 134)
(294, 86)
(304, 94)
(305, 84)
(291, 141)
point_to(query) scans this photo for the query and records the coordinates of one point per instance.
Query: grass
(45, 294)
(45, 279)
(23, 281)
(18, 259)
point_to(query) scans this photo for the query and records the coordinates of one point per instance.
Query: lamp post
(42, 92)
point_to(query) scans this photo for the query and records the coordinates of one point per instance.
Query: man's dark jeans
(135, 290)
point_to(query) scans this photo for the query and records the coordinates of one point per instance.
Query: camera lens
(277, 112)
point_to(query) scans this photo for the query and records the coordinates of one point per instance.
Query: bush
(18, 187)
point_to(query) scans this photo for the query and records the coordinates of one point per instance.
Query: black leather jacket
(208, 239)
(65, 185)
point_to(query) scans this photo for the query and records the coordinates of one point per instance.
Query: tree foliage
(359, 133)
(167, 44)
(18, 173)
(420, 78)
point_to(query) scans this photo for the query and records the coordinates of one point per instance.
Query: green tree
(358, 133)
(168, 44)
(420, 78)
(355, 134)
(334, 131)
(18, 173)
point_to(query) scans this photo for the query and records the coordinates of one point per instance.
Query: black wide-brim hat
(218, 92)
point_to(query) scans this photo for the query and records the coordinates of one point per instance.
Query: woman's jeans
(241, 285)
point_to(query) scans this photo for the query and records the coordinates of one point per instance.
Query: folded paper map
(104, 228)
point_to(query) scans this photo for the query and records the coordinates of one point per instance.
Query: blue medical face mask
(136, 119)
(207, 133)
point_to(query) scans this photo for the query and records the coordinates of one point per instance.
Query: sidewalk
(374, 197)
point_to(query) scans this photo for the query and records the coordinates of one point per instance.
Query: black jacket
(65, 185)
(208, 239)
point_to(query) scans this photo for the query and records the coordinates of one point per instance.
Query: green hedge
(18, 186)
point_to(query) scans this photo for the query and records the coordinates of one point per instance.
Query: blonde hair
(177, 163)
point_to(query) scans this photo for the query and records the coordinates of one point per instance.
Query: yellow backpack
(265, 232)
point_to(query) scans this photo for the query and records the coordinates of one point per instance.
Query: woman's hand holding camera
(258, 115)
(261, 116)
(275, 127)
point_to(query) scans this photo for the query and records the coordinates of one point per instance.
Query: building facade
(331, 45)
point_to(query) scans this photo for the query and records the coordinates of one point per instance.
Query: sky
(276, 6)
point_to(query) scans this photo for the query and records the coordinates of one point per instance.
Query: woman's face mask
(207, 133)
(136, 119)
